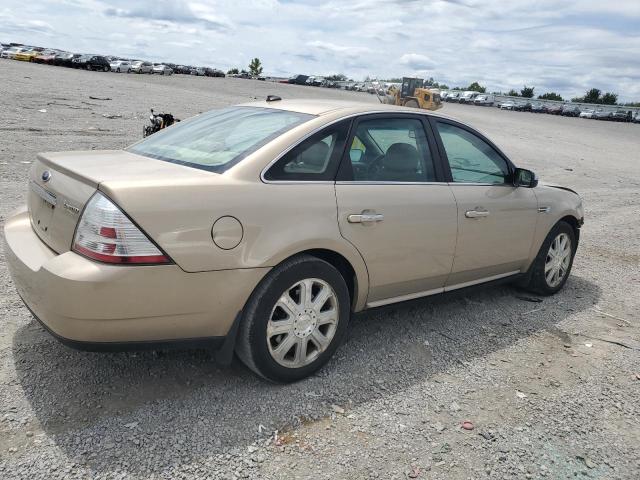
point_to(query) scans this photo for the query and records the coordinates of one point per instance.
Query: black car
(523, 107)
(299, 79)
(621, 116)
(65, 59)
(92, 62)
(570, 111)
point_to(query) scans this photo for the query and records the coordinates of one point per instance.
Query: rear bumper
(95, 306)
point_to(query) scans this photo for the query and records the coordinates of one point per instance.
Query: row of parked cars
(99, 62)
(526, 105)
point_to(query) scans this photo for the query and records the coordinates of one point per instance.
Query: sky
(562, 46)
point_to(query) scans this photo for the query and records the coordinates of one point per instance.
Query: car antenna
(273, 98)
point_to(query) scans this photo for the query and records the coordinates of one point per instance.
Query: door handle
(365, 218)
(476, 213)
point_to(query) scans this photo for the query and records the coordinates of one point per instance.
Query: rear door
(395, 208)
(496, 221)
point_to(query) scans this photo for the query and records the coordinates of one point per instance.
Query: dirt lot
(552, 388)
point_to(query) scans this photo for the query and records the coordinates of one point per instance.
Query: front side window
(391, 150)
(315, 159)
(472, 160)
(219, 139)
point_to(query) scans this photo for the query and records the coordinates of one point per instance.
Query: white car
(484, 100)
(162, 70)
(141, 67)
(121, 66)
(509, 105)
(468, 97)
(12, 51)
(587, 113)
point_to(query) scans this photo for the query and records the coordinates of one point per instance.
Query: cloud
(565, 46)
(416, 61)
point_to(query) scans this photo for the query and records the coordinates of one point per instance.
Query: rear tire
(288, 329)
(412, 104)
(551, 268)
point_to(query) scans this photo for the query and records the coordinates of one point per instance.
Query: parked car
(140, 66)
(508, 105)
(92, 62)
(235, 259)
(11, 52)
(554, 109)
(538, 107)
(587, 113)
(522, 107)
(162, 70)
(484, 100)
(468, 97)
(28, 55)
(570, 111)
(47, 57)
(298, 79)
(602, 114)
(636, 118)
(198, 71)
(213, 72)
(621, 116)
(65, 59)
(120, 66)
(453, 96)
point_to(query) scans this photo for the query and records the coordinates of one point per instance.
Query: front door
(496, 221)
(395, 209)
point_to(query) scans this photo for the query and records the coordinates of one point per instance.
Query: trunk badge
(46, 176)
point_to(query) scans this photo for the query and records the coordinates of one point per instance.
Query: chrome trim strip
(544, 209)
(43, 194)
(435, 291)
(481, 280)
(404, 298)
(372, 182)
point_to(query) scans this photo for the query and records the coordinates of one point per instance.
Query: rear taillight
(106, 234)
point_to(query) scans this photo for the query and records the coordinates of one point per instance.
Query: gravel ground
(552, 388)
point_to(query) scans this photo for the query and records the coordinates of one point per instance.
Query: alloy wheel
(558, 260)
(303, 323)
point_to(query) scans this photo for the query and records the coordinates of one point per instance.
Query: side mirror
(524, 178)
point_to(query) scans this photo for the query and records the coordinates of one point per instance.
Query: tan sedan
(260, 228)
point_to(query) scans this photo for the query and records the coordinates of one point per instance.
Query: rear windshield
(219, 139)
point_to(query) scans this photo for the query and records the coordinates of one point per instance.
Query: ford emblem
(46, 176)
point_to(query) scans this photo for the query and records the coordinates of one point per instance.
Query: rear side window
(315, 159)
(219, 139)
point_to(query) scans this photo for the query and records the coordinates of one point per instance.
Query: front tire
(294, 320)
(412, 104)
(552, 266)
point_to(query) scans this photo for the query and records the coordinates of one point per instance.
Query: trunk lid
(61, 183)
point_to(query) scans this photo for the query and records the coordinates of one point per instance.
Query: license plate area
(42, 204)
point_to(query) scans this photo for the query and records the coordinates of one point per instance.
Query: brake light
(106, 234)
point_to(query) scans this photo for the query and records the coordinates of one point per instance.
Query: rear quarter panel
(278, 221)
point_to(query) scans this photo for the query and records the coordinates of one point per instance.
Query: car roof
(322, 107)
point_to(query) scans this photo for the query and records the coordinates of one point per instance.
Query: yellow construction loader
(412, 94)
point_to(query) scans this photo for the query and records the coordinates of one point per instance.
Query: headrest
(401, 157)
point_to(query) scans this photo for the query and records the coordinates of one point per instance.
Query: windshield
(219, 139)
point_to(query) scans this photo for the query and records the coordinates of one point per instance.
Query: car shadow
(147, 411)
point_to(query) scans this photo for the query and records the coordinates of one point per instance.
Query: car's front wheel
(552, 266)
(295, 320)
